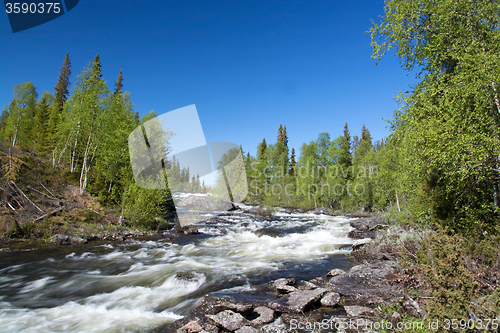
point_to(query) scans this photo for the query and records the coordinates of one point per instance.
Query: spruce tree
(119, 84)
(282, 136)
(346, 155)
(293, 164)
(62, 84)
(261, 151)
(96, 74)
(365, 135)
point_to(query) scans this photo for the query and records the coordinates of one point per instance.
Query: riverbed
(141, 283)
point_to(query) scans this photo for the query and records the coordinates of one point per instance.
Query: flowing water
(138, 284)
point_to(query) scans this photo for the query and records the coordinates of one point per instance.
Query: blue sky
(248, 66)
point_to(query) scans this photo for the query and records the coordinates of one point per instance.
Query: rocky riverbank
(343, 301)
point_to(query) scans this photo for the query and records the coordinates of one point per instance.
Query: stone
(247, 329)
(306, 285)
(286, 289)
(357, 311)
(335, 272)
(298, 301)
(367, 284)
(67, 240)
(360, 243)
(277, 326)
(330, 299)
(282, 282)
(264, 315)
(229, 320)
(396, 319)
(191, 327)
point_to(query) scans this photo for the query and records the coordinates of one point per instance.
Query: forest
(439, 168)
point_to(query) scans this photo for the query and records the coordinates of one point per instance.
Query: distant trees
(87, 133)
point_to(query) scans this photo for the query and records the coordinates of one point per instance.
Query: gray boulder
(330, 299)
(67, 240)
(357, 311)
(298, 301)
(228, 320)
(264, 315)
(367, 284)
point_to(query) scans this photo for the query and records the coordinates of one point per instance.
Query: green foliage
(15, 230)
(447, 127)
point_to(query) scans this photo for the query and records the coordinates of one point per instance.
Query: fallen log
(52, 212)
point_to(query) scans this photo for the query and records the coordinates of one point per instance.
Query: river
(139, 284)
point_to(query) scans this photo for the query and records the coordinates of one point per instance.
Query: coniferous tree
(345, 157)
(293, 164)
(365, 135)
(119, 84)
(62, 85)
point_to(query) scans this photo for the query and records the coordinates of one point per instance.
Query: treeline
(85, 133)
(346, 173)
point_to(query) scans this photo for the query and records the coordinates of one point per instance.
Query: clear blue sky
(249, 66)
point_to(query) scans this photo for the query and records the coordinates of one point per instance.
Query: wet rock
(366, 223)
(286, 289)
(263, 315)
(306, 285)
(189, 230)
(322, 282)
(191, 327)
(357, 311)
(330, 299)
(335, 272)
(362, 242)
(203, 203)
(321, 210)
(298, 301)
(358, 234)
(282, 282)
(229, 320)
(278, 326)
(367, 284)
(247, 329)
(67, 240)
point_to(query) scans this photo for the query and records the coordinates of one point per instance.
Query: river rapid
(139, 284)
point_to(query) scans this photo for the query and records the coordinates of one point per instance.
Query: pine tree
(119, 84)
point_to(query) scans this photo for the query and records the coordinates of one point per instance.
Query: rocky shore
(342, 301)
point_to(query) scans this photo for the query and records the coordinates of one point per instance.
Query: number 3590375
(32, 8)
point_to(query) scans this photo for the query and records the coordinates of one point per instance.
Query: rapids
(138, 284)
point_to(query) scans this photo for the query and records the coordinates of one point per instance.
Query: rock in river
(298, 301)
